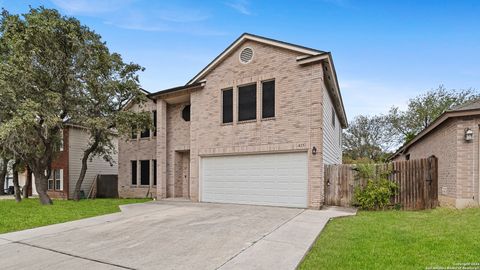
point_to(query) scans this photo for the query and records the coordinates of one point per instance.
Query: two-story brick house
(255, 126)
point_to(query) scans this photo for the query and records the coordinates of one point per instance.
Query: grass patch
(30, 214)
(398, 240)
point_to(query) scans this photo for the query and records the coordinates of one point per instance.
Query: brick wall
(298, 112)
(136, 149)
(457, 160)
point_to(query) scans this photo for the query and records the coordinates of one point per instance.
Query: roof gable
(239, 41)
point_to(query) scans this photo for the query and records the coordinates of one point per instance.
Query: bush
(378, 190)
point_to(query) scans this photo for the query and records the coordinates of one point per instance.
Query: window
(268, 99)
(134, 132)
(333, 117)
(227, 112)
(55, 182)
(186, 113)
(154, 172)
(59, 179)
(51, 181)
(155, 123)
(407, 157)
(144, 172)
(247, 102)
(145, 133)
(134, 172)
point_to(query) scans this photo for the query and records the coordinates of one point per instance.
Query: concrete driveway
(171, 235)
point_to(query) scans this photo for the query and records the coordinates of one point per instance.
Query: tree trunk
(41, 184)
(3, 174)
(83, 170)
(18, 196)
(28, 182)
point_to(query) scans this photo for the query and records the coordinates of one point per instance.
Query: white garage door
(267, 179)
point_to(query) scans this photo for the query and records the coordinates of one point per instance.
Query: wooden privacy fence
(417, 182)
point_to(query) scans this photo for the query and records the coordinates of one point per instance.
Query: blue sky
(385, 51)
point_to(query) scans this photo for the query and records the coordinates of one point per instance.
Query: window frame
(222, 118)
(154, 132)
(274, 99)
(147, 171)
(154, 163)
(53, 180)
(133, 172)
(189, 112)
(145, 134)
(255, 106)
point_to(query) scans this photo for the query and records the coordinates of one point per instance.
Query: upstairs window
(134, 133)
(247, 102)
(268, 99)
(155, 123)
(186, 113)
(227, 110)
(145, 133)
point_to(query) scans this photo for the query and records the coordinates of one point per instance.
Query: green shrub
(378, 190)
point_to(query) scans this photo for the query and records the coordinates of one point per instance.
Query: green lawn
(29, 213)
(398, 240)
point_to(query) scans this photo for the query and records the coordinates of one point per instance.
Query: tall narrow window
(134, 172)
(51, 180)
(227, 112)
(186, 113)
(134, 132)
(59, 179)
(155, 123)
(154, 172)
(333, 117)
(144, 172)
(247, 102)
(268, 99)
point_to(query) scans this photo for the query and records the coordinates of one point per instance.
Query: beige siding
(332, 145)
(78, 142)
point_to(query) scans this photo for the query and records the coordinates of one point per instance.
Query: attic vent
(246, 55)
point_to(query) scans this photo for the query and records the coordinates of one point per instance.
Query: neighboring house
(66, 167)
(255, 126)
(453, 139)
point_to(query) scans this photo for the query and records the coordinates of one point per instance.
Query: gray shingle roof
(473, 105)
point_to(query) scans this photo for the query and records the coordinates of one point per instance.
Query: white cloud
(241, 6)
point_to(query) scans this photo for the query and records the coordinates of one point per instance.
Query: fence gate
(417, 181)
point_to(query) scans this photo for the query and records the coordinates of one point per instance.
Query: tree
(15, 170)
(424, 109)
(54, 71)
(368, 137)
(3, 174)
(109, 88)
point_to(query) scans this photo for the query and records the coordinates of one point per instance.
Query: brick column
(161, 149)
(315, 162)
